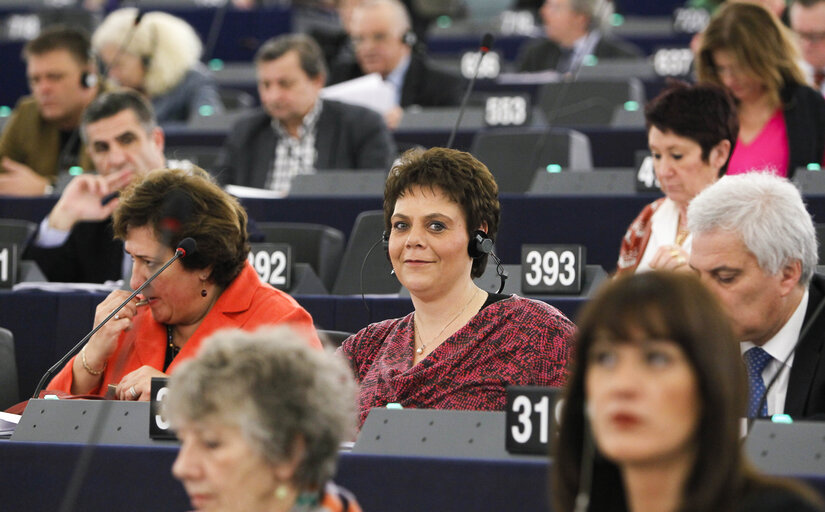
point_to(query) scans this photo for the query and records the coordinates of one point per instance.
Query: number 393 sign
(551, 268)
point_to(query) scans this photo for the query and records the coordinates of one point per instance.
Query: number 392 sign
(273, 263)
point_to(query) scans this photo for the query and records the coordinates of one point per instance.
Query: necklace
(681, 235)
(418, 334)
(169, 335)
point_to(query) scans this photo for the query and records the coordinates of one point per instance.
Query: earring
(203, 288)
(281, 492)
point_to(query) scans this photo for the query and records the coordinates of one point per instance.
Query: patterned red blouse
(515, 341)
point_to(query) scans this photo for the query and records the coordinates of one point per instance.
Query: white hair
(402, 16)
(169, 45)
(766, 212)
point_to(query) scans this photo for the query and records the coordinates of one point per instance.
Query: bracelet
(86, 365)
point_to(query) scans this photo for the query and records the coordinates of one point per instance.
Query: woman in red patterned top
(461, 346)
(691, 130)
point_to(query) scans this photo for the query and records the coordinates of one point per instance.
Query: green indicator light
(5, 111)
(814, 167)
(216, 64)
(554, 168)
(444, 21)
(781, 418)
(631, 106)
(206, 110)
(617, 20)
(590, 60)
(75, 170)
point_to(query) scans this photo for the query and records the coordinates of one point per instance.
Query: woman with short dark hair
(214, 287)
(461, 346)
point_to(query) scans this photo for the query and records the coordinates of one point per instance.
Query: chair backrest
(9, 390)
(17, 231)
(364, 251)
(317, 244)
(333, 338)
(513, 155)
(593, 102)
(602, 182)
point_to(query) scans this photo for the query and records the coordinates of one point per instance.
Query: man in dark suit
(383, 39)
(574, 29)
(296, 132)
(74, 243)
(754, 245)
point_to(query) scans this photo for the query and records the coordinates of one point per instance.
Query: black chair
(609, 182)
(333, 339)
(513, 155)
(9, 390)
(318, 245)
(364, 266)
(17, 231)
(593, 102)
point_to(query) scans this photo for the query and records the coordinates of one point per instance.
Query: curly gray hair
(278, 390)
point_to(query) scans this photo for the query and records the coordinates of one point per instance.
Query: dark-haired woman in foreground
(660, 383)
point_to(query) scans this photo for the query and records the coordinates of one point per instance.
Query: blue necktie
(755, 361)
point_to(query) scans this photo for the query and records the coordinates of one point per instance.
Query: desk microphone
(186, 247)
(802, 333)
(484, 48)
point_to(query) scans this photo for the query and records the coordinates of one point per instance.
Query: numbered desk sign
(273, 263)
(158, 426)
(9, 260)
(552, 268)
(513, 110)
(489, 68)
(533, 414)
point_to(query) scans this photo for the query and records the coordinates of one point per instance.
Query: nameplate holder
(159, 427)
(75, 421)
(552, 268)
(433, 433)
(509, 110)
(273, 263)
(9, 261)
(533, 414)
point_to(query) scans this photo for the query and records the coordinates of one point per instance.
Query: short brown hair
(200, 210)
(464, 179)
(60, 37)
(309, 53)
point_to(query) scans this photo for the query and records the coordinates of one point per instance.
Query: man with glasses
(808, 21)
(383, 40)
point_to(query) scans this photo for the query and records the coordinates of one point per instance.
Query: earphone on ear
(480, 244)
(409, 38)
(88, 80)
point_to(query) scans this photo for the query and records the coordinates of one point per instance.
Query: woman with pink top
(781, 119)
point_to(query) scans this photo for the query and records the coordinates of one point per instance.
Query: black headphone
(480, 244)
(409, 38)
(88, 80)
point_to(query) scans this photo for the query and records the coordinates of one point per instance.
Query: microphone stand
(180, 252)
(486, 43)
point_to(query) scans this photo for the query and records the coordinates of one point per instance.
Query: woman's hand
(137, 385)
(101, 346)
(670, 257)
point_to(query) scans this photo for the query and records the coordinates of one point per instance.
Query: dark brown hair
(309, 53)
(465, 180)
(60, 37)
(178, 204)
(676, 307)
(704, 113)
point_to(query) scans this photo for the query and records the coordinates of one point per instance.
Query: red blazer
(247, 303)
